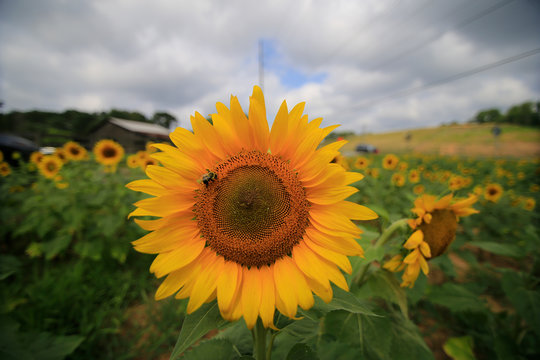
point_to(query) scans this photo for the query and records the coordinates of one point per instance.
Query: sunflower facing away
(108, 152)
(256, 218)
(435, 229)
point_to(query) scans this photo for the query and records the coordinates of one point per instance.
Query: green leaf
(215, 349)
(301, 352)
(456, 298)
(344, 300)
(55, 246)
(8, 265)
(499, 249)
(384, 284)
(525, 301)
(459, 348)
(239, 335)
(196, 325)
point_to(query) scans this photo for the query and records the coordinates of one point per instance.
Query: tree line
(54, 128)
(527, 114)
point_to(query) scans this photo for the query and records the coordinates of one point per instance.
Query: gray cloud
(183, 56)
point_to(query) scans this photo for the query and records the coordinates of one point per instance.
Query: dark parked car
(366, 148)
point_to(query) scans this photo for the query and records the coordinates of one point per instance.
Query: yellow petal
(175, 281)
(306, 260)
(340, 260)
(354, 211)
(208, 135)
(345, 245)
(185, 253)
(205, 283)
(167, 204)
(268, 297)
(227, 284)
(425, 250)
(167, 238)
(279, 127)
(285, 287)
(147, 186)
(169, 178)
(444, 202)
(413, 256)
(332, 195)
(251, 295)
(414, 240)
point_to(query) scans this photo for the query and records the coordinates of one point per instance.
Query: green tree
(488, 116)
(163, 119)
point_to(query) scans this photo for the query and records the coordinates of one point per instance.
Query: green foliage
(527, 114)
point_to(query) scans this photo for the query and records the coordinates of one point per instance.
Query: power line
(409, 91)
(459, 25)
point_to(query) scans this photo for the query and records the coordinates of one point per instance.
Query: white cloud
(183, 56)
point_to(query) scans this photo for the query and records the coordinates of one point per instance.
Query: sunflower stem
(383, 239)
(259, 341)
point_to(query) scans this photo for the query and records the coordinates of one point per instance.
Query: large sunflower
(435, 229)
(256, 218)
(108, 152)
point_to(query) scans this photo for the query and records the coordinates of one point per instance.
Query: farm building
(132, 135)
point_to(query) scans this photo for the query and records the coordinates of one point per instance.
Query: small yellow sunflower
(252, 216)
(493, 192)
(132, 161)
(50, 165)
(108, 152)
(529, 203)
(390, 162)
(5, 169)
(419, 189)
(534, 188)
(148, 161)
(435, 229)
(414, 176)
(61, 154)
(341, 160)
(74, 151)
(374, 172)
(398, 179)
(361, 162)
(402, 166)
(36, 157)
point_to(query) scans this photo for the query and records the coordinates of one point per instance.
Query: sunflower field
(449, 265)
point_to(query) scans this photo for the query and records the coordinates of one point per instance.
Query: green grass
(468, 139)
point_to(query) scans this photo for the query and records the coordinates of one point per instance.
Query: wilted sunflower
(435, 229)
(493, 192)
(5, 169)
(49, 166)
(74, 151)
(108, 152)
(256, 218)
(390, 162)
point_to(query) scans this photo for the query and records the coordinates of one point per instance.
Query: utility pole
(261, 64)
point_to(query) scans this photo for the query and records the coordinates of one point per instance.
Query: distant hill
(464, 139)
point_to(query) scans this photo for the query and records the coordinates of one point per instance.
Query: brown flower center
(440, 232)
(253, 210)
(109, 152)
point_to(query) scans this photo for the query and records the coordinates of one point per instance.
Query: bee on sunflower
(268, 229)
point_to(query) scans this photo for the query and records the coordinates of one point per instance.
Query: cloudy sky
(371, 65)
